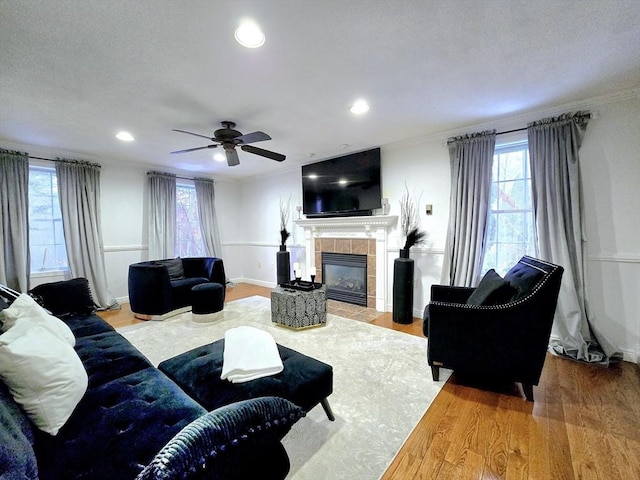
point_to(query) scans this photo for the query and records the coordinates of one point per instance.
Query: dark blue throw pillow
(492, 290)
(212, 438)
(66, 298)
(174, 267)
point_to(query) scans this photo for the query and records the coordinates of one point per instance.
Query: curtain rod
(588, 115)
(63, 160)
(511, 131)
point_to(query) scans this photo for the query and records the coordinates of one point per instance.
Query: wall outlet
(429, 209)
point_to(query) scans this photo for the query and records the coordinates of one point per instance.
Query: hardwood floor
(584, 423)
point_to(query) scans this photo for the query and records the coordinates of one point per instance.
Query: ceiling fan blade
(278, 157)
(232, 157)
(253, 137)
(194, 149)
(195, 134)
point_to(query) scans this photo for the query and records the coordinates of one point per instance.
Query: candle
(296, 266)
(312, 271)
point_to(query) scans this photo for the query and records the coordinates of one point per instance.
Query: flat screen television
(342, 186)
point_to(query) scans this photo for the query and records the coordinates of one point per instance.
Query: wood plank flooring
(584, 423)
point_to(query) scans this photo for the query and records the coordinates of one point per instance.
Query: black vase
(283, 265)
(403, 288)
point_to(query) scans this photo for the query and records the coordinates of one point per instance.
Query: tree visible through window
(510, 233)
(188, 234)
(46, 237)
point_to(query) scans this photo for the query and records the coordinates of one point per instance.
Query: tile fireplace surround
(361, 235)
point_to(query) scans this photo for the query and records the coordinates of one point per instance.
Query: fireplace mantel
(348, 224)
(375, 227)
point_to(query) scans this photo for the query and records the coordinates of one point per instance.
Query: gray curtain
(79, 193)
(558, 210)
(205, 193)
(14, 220)
(162, 215)
(471, 158)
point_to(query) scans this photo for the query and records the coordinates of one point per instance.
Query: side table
(298, 309)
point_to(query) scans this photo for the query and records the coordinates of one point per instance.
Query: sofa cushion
(107, 356)
(17, 459)
(492, 290)
(117, 429)
(181, 290)
(214, 438)
(66, 298)
(43, 373)
(174, 267)
(87, 325)
(523, 278)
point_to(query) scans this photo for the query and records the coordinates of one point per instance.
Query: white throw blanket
(249, 353)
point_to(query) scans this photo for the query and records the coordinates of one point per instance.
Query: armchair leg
(528, 391)
(435, 373)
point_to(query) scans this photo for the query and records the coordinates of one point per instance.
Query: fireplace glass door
(345, 276)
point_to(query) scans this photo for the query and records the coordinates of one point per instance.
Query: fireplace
(356, 235)
(345, 275)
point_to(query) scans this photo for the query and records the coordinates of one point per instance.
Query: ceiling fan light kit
(229, 138)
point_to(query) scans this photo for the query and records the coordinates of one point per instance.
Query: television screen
(347, 185)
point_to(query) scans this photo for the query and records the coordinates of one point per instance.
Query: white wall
(610, 167)
(249, 213)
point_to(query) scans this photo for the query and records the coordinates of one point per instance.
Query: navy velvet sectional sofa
(133, 421)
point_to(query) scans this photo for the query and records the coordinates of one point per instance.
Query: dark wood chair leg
(327, 409)
(435, 373)
(528, 391)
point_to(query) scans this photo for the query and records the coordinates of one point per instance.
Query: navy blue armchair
(159, 289)
(498, 332)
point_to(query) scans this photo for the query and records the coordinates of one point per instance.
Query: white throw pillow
(25, 308)
(43, 373)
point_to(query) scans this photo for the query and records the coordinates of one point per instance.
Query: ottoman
(207, 302)
(304, 381)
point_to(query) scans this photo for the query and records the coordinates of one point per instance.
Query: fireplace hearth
(345, 275)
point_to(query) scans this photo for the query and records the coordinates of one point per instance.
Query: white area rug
(382, 385)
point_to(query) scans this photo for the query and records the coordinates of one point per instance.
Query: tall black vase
(403, 288)
(283, 265)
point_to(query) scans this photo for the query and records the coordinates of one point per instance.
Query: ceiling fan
(229, 138)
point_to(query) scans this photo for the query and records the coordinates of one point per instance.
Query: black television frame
(326, 196)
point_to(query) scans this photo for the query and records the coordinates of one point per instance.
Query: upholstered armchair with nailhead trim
(498, 331)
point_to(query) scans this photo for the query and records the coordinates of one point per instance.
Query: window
(188, 234)
(510, 233)
(46, 238)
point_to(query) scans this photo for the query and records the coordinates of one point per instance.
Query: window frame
(199, 249)
(54, 200)
(529, 244)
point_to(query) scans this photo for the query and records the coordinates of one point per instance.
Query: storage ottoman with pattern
(299, 309)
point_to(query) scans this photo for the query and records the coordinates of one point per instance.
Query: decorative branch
(409, 221)
(285, 212)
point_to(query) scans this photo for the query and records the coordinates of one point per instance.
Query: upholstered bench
(304, 381)
(207, 301)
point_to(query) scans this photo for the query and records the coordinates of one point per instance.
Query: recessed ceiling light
(249, 35)
(359, 107)
(125, 136)
(219, 157)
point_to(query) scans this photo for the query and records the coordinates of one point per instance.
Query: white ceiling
(73, 73)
